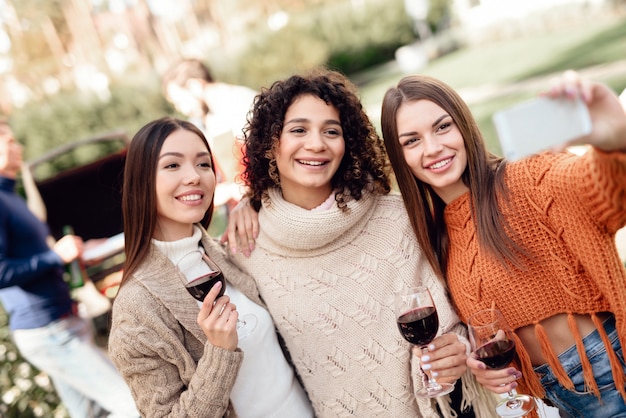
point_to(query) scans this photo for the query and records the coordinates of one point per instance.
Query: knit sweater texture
(328, 278)
(160, 350)
(564, 210)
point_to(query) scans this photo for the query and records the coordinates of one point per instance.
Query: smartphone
(537, 124)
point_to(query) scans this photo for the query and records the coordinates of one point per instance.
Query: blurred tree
(439, 14)
(38, 34)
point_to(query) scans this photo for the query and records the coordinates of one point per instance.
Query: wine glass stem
(432, 382)
(513, 402)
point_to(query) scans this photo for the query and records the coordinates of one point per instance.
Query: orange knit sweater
(566, 210)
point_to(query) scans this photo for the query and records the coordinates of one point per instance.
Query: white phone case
(535, 125)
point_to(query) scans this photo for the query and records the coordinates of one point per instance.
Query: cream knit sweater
(328, 278)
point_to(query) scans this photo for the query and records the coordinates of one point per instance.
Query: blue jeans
(84, 377)
(578, 402)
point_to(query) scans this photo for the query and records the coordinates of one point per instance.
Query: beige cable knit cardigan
(328, 279)
(160, 350)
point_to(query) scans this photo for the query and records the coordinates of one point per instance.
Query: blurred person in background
(43, 321)
(220, 110)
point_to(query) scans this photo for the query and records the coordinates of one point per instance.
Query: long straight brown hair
(139, 189)
(483, 176)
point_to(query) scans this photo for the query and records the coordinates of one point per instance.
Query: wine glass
(418, 323)
(200, 274)
(493, 344)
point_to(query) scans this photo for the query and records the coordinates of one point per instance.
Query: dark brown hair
(364, 165)
(483, 175)
(139, 189)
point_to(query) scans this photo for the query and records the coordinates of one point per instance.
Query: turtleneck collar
(175, 250)
(289, 229)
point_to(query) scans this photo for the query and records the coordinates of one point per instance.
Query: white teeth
(440, 164)
(190, 197)
(316, 163)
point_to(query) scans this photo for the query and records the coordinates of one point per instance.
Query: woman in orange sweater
(534, 238)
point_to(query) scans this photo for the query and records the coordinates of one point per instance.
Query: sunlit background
(72, 69)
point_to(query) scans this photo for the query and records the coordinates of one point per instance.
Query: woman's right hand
(242, 229)
(497, 381)
(607, 113)
(219, 320)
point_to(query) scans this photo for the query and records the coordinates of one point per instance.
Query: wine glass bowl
(419, 326)
(200, 277)
(493, 343)
(418, 322)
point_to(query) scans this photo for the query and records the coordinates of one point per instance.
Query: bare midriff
(558, 331)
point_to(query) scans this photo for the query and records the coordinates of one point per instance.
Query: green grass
(592, 43)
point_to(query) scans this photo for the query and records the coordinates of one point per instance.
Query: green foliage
(25, 391)
(346, 36)
(370, 37)
(438, 14)
(70, 116)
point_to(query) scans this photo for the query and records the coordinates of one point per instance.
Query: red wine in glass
(419, 326)
(205, 274)
(493, 343)
(496, 354)
(418, 322)
(198, 288)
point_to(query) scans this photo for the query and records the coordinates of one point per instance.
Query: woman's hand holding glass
(446, 357)
(418, 323)
(496, 380)
(218, 319)
(493, 342)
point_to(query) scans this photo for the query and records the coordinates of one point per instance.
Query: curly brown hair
(364, 165)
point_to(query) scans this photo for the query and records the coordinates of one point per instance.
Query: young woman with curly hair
(335, 245)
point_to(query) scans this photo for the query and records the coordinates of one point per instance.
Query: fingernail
(513, 385)
(431, 347)
(426, 358)
(434, 374)
(426, 366)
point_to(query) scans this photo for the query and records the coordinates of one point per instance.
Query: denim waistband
(592, 342)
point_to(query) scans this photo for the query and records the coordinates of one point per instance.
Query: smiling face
(309, 151)
(433, 147)
(185, 183)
